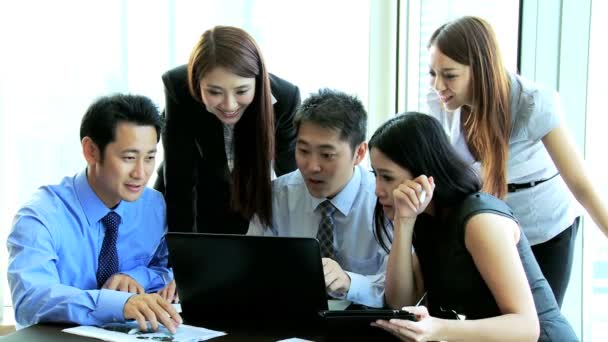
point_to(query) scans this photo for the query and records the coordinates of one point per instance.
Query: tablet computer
(365, 316)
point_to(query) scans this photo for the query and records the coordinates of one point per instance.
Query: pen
(421, 299)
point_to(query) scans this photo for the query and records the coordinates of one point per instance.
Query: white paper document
(338, 304)
(119, 332)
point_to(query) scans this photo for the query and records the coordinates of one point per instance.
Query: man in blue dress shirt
(88, 250)
(330, 146)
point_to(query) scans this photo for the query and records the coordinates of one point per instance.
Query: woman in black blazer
(224, 105)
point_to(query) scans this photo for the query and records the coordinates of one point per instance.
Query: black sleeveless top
(453, 282)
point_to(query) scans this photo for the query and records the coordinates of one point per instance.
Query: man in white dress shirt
(332, 197)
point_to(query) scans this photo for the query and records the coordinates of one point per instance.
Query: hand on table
(154, 309)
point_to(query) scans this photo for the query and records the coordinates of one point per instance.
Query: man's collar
(93, 207)
(344, 200)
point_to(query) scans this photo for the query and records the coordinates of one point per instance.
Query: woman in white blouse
(512, 129)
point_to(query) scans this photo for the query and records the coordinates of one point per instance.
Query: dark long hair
(487, 124)
(417, 143)
(235, 50)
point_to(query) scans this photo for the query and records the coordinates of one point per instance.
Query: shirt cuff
(111, 305)
(361, 291)
(356, 283)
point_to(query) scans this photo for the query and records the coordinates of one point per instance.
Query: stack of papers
(129, 331)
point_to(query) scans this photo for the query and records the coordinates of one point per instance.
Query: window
(595, 251)
(310, 43)
(61, 62)
(426, 16)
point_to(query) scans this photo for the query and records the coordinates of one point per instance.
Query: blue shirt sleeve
(37, 290)
(367, 289)
(156, 274)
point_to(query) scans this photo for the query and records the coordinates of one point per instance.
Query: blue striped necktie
(108, 256)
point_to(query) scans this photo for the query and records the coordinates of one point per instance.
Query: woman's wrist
(404, 223)
(440, 329)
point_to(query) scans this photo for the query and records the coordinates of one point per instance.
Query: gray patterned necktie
(325, 234)
(108, 256)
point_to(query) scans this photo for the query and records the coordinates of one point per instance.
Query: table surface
(260, 331)
(52, 333)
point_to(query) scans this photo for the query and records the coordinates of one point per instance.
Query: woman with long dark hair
(461, 247)
(229, 125)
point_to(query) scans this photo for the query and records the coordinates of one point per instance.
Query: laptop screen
(234, 277)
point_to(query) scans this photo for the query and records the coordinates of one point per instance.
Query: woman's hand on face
(413, 196)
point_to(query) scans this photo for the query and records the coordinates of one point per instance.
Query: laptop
(247, 278)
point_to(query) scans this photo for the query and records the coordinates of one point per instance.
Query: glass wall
(65, 53)
(423, 17)
(557, 58)
(595, 251)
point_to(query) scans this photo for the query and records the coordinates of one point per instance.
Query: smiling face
(227, 95)
(325, 161)
(450, 80)
(388, 176)
(126, 166)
